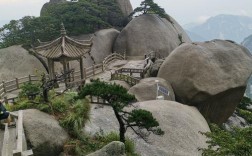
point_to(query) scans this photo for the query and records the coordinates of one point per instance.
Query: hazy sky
(184, 11)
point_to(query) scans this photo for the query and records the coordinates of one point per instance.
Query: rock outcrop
(115, 148)
(43, 133)
(148, 33)
(121, 83)
(103, 41)
(15, 61)
(146, 89)
(235, 121)
(51, 2)
(181, 124)
(154, 68)
(210, 75)
(125, 6)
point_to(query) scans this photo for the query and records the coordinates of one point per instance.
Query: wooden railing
(6, 142)
(19, 138)
(9, 86)
(75, 77)
(21, 148)
(132, 71)
(130, 80)
(98, 100)
(112, 57)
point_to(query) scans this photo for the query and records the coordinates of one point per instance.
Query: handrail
(95, 69)
(131, 71)
(21, 148)
(6, 141)
(130, 80)
(112, 57)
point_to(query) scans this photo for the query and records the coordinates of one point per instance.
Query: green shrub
(29, 88)
(222, 143)
(75, 119)
(59, 105)
(21, 105)
(88, 144)
(44, 108)
(245, 102)
(247, 115)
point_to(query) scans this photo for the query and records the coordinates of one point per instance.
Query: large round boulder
(125, 7)
(115, 148)
(181, 124)
(103, 41)
(121, 83)
(15, 61)
(146, 89)
(148, 33)
(210, 75)
(43, 133)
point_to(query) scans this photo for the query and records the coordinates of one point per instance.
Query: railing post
(85, 73)
(124, 55)
(6, 100)
(30, 78)
(73, 76)
(103, 66)
(93, 69)
(4, 88)
(17, 83)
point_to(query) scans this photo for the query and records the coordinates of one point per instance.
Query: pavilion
(64, 49)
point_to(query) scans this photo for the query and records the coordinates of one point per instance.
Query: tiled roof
(64, 46)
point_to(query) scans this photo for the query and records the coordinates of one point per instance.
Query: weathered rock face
(15, 61)
(181, 124)
(210, 75)
(115, 148)
(148, 33)
(43, 133)
(235, 121)
(121, 83)
(103, 41)
(46, 5)
(125, 6)
(146, 89)
(154, 68)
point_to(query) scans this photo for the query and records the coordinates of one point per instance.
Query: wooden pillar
(64, 71)
(68, 70)
(17, 83)
(81, 69)
(53, 71)
(93, 69)
(30, 80)
(50, 67)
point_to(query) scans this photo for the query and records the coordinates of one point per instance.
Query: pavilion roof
(64, 46)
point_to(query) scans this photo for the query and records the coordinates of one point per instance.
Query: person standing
(4, 115)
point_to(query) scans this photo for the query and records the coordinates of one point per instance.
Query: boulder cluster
(206, 81)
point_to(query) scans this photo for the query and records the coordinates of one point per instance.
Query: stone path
(12, 143)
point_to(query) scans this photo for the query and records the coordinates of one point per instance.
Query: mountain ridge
(223, 26)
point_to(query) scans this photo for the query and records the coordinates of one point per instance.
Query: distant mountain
(230, 27)
(195, 37)
(247, 42)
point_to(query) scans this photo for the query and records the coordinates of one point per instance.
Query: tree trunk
(121, 124)
(40, 60)
(45, 95)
